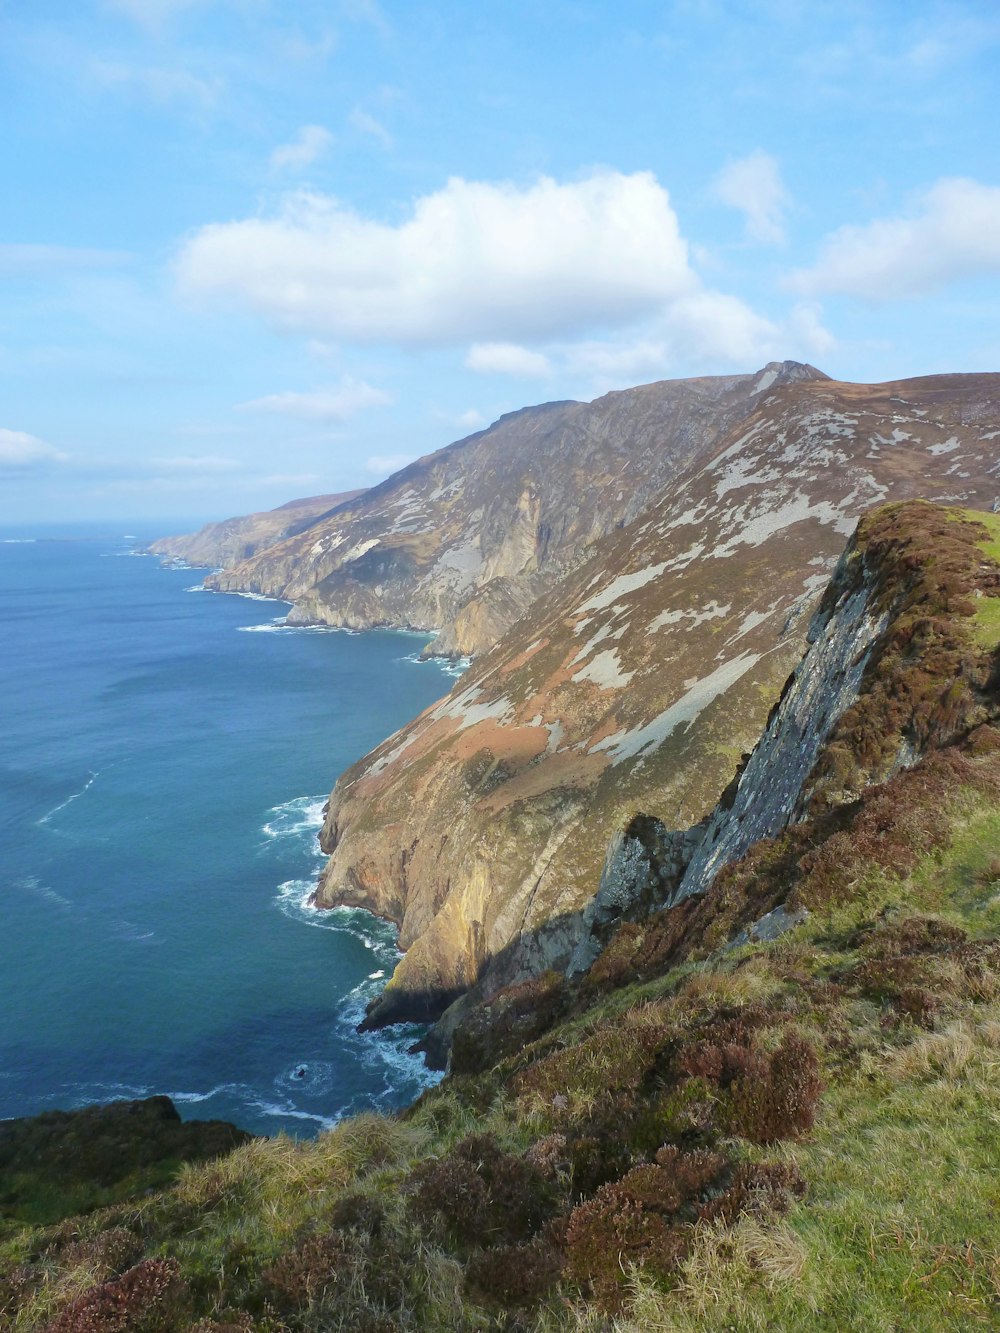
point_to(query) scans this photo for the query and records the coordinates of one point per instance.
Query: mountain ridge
(463, 540)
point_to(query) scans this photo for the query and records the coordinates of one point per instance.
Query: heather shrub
(513, 1275)
(611, 1059)
(479, 1195)
(612, 1232)
(149, 1298)
(16, 1285)
(759, 1188)
(776, 1097)
(106, 1254)
(300, 1276)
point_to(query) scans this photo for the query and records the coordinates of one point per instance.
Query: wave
(69, 799)
(256, 1100)
(197, 587)
(294, 900)
(18, 541)
(281, 626)
(251, 596)
(450, 666)
(32, 884)
(303, 814)
(128, 930)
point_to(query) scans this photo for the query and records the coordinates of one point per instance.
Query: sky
(252, 250)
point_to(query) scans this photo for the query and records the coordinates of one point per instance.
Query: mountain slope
(464, 540)
(237, 539)
(635, 685)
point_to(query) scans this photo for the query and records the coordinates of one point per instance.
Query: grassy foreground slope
(802, 1134)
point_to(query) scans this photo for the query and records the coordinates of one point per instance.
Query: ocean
(165, 754)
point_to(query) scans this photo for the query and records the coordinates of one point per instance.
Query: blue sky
(252, 250)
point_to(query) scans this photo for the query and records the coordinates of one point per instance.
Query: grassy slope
(881, 1212)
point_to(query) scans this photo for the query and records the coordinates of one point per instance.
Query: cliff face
(236, 539)
(636, 684)
(891, 673)
(465, 540)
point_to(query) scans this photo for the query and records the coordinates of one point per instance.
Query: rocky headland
(636, 578)
(220, 545)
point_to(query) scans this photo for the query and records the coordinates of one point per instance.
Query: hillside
(219, 545)
(464, 540)
(635, 685)
(707, 1127)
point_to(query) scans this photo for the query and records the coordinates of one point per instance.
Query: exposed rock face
(650, 868)
(636, 684)
(220, 545)
(464, 540)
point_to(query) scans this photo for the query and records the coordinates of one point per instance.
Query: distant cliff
(219, 545)
(635, 684)
(465, 540)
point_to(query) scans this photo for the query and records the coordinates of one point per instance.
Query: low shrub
(149, 1298)
(480, 1196)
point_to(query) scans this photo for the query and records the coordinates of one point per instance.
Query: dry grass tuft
(724, 1261)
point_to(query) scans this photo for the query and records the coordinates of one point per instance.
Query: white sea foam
(32, 884)
(250, 596)
(450, 666)
(303, 815)
(269, 627)
(254, 1100)
(69, 799)
(280, 626)
(128, 930)
(18, 541)
(196, 587)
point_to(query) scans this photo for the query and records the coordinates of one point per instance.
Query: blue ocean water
(164, 758)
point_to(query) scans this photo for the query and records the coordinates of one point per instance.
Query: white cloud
(474, 262)
(507, 359)
(18, 449)
(163, 86)
(39, 258)
(952, 233)
(366, 123)
(339, 403)
(470, 420)
(706, 331)
(754, 187)
(311, 142)
(384, 465)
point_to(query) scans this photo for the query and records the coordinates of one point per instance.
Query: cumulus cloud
(952, 233)
(507, 359)
(18, 449)
(338, 403)
(705, 331)
(754, 187)
(474, 262)
(311, 142)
